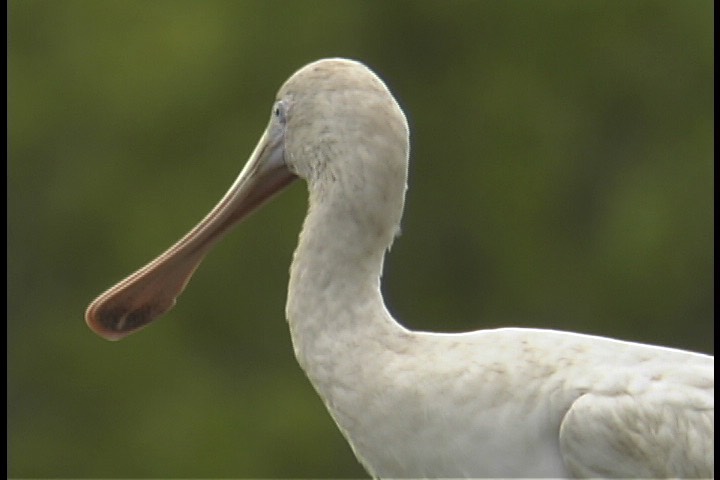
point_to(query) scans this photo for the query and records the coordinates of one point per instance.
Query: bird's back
(525, 403)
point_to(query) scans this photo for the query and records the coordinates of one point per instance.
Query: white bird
(508, 402)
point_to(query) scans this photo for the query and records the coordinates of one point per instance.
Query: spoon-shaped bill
(151, 291)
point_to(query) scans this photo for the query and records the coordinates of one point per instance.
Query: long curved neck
(334, 298)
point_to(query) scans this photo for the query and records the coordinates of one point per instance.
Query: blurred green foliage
(561, 178)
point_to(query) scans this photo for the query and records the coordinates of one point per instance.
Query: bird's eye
(279, 111)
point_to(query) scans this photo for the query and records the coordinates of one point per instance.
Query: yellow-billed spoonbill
(510, 402)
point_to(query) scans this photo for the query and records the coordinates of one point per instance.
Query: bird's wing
(661, 432)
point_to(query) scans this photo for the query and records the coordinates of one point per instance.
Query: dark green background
(561, 177)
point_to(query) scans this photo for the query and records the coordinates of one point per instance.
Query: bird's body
(493, 403)
(517, 403)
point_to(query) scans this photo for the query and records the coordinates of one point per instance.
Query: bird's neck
(334, 299)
